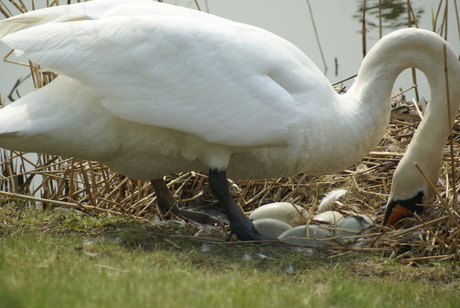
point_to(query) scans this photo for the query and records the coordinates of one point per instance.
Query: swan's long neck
(370, 94)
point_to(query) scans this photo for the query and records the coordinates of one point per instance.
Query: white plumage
(151, 89)
(328, 201)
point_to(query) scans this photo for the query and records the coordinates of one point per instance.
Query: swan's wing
(94, 10)
(60, 13)
(224, 82)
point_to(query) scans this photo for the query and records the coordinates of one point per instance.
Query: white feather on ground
(328, 201)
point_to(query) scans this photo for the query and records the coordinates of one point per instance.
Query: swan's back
(172, 70)
(95, 10)
(211, 87)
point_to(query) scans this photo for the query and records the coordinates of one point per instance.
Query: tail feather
(13, 121)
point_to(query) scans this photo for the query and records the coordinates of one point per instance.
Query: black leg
(241, 225)
(164, 197)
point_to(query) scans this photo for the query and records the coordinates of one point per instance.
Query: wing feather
(225, 82)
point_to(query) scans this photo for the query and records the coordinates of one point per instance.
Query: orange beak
(396, 214)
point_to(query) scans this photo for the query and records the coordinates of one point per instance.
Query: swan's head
(398, 209)
(410, 186)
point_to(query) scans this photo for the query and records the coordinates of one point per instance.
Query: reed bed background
(52, 181)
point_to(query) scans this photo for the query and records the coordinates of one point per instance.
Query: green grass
(50, 259)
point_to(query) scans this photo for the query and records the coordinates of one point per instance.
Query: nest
(53, 181)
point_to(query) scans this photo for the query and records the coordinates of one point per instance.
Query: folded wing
(225, 82)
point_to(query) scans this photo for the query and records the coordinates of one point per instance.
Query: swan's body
(151, 89)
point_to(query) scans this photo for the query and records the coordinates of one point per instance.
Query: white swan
(151, 89)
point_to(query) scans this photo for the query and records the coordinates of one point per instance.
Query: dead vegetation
(53, 181)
